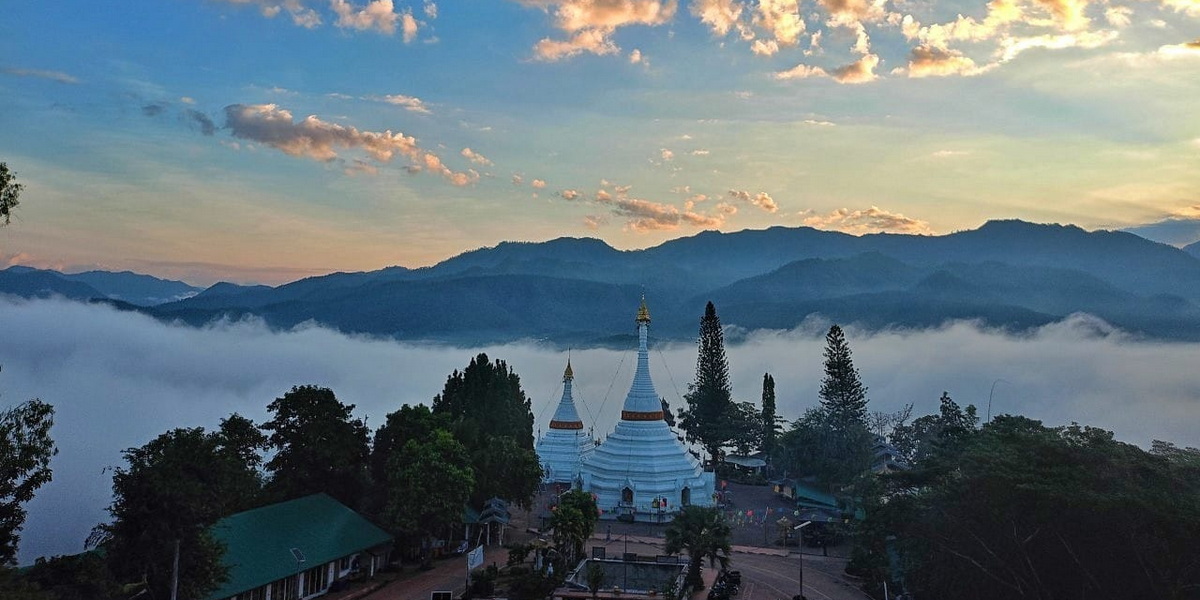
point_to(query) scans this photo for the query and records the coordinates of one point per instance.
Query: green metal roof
(259, 542)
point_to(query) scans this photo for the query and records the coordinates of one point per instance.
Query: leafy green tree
(843, 396)
(710, 396)
(408, 423)
(172, 490)
(703, 533)
(319, 447)
(770, 420)
(1020, 510)
(573, 521)
(931, 434)
(83, 576)
(25, 451)
(10, 191)
(816, 447)
(744, 422)
(595, 579)
(428, 483)
(490, 416)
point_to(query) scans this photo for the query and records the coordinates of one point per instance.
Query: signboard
(475, 558)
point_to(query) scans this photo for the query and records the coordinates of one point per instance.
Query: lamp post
(800, 543)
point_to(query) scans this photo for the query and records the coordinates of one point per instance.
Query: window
(316, 580)
(627, 496)
(344, 564)
(284, 589)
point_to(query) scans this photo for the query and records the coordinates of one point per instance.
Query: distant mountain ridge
(124, 286)
(580, 291)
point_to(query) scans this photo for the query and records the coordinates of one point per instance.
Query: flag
(475, 558)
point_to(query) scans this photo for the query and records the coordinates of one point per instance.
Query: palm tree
(703, 533)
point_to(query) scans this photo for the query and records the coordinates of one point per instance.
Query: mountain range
(1006, 274)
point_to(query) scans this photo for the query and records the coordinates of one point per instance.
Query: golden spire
(568, 374)
(643, 312)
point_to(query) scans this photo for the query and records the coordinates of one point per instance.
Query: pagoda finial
(643, 315)
(568, 375)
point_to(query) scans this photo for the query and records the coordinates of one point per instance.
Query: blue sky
(266, 140)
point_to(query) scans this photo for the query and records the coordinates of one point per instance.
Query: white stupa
(642, 469)
(565, 442)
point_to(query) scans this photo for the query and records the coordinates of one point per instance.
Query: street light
(800, 542)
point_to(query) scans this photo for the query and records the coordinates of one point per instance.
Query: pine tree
(770, 428)
(710, 397)
(843, 396)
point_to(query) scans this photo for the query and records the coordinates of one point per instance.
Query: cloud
(1013, 46)
(1189, 7)
(780, 19)
(700, 152)
(930, 61)
(301, 15)
(379, 15)
(192, 116)
(58, 76)
(166, 376)
(475, 157)
(720, 15)
(594, 222)
(591, 23)
(320, 140)
(518, 179)
(593, 41)
(859, 71)
(667, 155)
(570, 194)
(431, 10)
(537, 184)
(154, 109)
(762, 200)
(409, 26)
(801, 71)
(870, 220)
(409, 103)
(635, 57)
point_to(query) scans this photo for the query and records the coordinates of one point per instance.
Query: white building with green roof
(301, 545)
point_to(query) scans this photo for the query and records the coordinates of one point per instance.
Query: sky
(268, 140)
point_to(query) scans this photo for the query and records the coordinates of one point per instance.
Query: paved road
(767, 573)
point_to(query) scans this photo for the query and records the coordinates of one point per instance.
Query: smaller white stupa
(565, 443)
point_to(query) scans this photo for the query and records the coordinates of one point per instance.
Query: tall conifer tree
(710, 397)
(843, 396)
(770, 429)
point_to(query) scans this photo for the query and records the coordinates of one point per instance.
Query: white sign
(475, 558)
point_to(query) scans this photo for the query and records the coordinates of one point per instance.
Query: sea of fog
(118, 379)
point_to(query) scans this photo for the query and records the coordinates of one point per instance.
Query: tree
(703, 533)
(318, 446)
(490, 416)
(744, 422)
(939, 433)
(770, 421)
(573, 521)
(843, 396)
(172, 490)
(1019, 510)
(25, 451)
(710, 396)
(428, 483)
(668, 416)
(10, 191)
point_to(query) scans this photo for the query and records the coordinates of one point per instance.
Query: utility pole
(800, 543)
(175, 574)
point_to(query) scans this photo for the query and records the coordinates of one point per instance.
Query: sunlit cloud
(762, 200)
(379, 15)
(930, 61)
(475, 157)
(58, 76)
(869, 220)
(591, 23)
(320, 140)
(642, 215)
